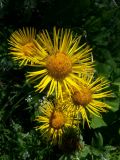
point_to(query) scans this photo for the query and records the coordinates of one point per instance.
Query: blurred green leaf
(97, 122)
(114, 103)
(117, 82)
(97, 140)
(104, 69)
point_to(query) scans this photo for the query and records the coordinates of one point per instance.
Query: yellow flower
(87, 100)
(53, 120)
(62, 61)
(22, 44)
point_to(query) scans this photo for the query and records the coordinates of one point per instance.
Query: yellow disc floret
(57, 120)
(27, 48)
(59, 65)
(82, 97)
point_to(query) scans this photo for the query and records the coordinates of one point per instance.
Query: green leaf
(104, 69)
(97, 140)
(114, 104)
(110, 148)
(85, 151)
(117, 82)
(97, 122)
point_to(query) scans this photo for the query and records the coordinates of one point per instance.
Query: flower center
(59, 65)
(57, 120)
(82, 97)
(27, 48)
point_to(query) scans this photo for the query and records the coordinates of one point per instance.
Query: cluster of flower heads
(63, 68)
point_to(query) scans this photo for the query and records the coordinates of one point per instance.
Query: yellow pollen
(59, 65)
(26, 49)
(82, 97)
(57, 120)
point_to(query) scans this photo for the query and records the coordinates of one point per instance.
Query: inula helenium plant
(63, 68)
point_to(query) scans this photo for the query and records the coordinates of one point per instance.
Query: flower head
(53, 121)
(22, 44)
(87, 100)
(71, 141)
(62, 60)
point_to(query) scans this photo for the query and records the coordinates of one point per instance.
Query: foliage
(98, 22)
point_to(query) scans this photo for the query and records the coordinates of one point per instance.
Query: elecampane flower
(53, 120)
(62, 60)
(22, 44)
(87, 100)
